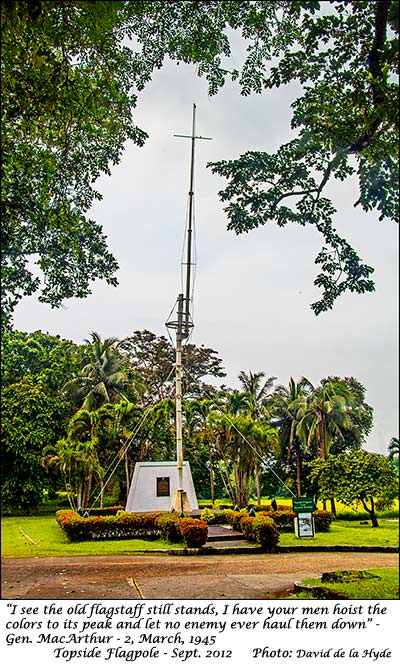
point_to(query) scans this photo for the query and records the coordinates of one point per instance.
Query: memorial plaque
(162, 486)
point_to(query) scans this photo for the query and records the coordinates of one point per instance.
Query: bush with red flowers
(260, 528)
(194, 532)
(265, 532)
(246, 526)
(168, 525)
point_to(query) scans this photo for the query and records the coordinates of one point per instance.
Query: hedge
(127, 525)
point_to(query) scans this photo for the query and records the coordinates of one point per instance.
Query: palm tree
(255, 390)
(102, 379)
(288, 407)
(83, 432)
(255, 397)
(123, 418)
(76, 457)
(240, 441)
(327, 416)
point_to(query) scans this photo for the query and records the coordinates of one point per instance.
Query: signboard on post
(304, 521)
(303, 504)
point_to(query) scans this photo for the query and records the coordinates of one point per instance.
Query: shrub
(168, 525)
(265, 532)
(207, 515)
(193, 531)
(220, 516)
(122, 526)
(261, 529)
(234, 518)
(215, 516)
(284, 519)
(268, 508)
(323, 520)
(106, 511)
(246, 525)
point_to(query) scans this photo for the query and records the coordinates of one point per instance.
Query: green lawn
(51, 541)
(350, 533)
(384, 587)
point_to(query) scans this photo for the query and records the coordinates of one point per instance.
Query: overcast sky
(252, 292)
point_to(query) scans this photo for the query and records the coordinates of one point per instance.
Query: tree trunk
(333, 507)
(79, 494)
(371, 511)
(298, 469)
(88, 488)
(258, 488)
(321, 443)
(212, 489)
(101, 493)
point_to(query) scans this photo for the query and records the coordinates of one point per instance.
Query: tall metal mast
(182, 326)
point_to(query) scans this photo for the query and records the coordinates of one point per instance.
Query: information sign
(304, 525)
(303, 504)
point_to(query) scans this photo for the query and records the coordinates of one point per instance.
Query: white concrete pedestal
(154, 484)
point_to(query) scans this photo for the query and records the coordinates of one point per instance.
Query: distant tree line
(77, 417)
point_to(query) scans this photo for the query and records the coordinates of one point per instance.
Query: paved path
(251, 576)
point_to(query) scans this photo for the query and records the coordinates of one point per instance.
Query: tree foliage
(46, 359)
(152, 360)
(346, 123)
(31, 420)
(71, 73)
(102, 377)
(67, 103)
(237, 441)
(358, 477)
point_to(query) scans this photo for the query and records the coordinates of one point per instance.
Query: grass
(51, 541)
(386, 586)
(349, 533)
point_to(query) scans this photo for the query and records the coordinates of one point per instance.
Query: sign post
(304, 520)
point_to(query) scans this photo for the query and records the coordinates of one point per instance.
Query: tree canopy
(358, 477)
(72, 73)
(66, 113)
(152, 360)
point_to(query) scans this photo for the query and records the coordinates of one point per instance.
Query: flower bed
(127, 525)
(260, 528)
(176, 529)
